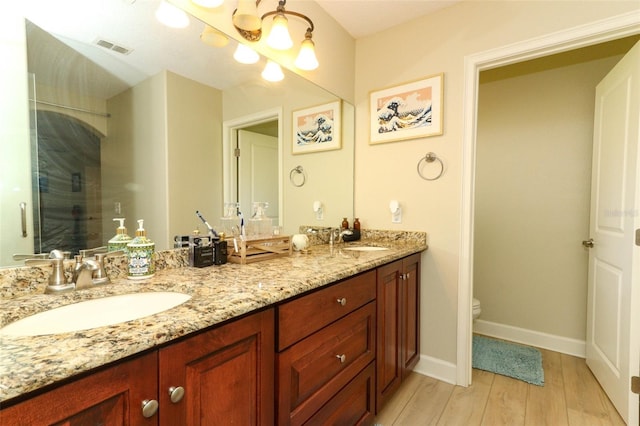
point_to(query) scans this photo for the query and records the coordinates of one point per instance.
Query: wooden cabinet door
(388, 361)
(226, 375)
(410, 313)
(111, 397)
(398, 345)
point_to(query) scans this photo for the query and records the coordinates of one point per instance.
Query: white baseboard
(552, 342)
(436, 368)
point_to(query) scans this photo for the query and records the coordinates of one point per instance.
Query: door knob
(588, 243)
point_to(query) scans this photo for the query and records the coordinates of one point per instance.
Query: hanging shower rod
(101, 114)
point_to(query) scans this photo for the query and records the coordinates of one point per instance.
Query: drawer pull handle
(342, 358)
(176, 393)
(342, 301)
(149, 408)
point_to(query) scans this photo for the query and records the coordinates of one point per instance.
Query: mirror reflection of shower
(66, 182)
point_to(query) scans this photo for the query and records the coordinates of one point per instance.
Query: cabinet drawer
(353, 405)
(301, 317)
(313, 370)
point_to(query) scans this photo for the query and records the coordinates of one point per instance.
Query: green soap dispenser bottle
(140, 253)
(121, 239)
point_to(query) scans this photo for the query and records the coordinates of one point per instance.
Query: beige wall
(329, 173)
(134, 160)
(175, 118)
(194, 117)
(533, 182)
(384, 172)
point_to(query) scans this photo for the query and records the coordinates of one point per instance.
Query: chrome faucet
(85, 273)
(99, 274)
(335, 235)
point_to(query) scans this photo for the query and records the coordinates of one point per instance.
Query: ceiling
(79, 24)
(365, 17)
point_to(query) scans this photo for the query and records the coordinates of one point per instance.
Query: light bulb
(245, 54)
(246, 16)
(171, 16)
(306, 59)
(213, 37)
(208, 3)
(272, 72)
(279, 37)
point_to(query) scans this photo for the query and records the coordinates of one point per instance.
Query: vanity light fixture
(249, 25)
(272, 72)
(245, 55)
(171, 16)
(213, 37)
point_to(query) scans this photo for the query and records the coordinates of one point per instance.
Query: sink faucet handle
(57, 280)
(100, 275)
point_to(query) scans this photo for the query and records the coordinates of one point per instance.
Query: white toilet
(476, 308)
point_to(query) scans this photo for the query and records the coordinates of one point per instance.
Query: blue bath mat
(508, 359)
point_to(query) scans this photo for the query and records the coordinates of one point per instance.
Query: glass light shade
(279, 37)
(306, 59)
(171, 16)
(213, 37)
(245, 54)
(207, 3)
(272, 72)
(246, 16)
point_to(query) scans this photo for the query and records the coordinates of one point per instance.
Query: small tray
(255, 250)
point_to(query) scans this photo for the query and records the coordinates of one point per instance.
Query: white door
(613, 312)
(258, 172)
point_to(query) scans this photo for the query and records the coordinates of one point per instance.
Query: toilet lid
(476, 302)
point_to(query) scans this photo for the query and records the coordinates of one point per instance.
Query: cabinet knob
(176, 393)
(342, 358)
(149, 408)
(342, 301)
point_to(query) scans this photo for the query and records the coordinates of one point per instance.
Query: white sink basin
(365, 248)
(94, 313)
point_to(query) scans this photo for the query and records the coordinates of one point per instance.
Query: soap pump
(140, 251)
(121, 239)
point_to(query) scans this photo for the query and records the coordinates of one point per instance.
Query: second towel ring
(298, 170)
(430, 158)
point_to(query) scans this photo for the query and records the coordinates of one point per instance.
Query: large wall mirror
(129, 118)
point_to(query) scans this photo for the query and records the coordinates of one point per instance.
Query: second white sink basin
(365, 248)
(94, 313)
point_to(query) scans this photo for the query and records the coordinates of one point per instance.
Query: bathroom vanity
(320, 337)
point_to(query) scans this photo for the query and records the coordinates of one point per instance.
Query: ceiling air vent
(112, 46)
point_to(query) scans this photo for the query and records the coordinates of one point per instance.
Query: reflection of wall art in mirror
(317, 128)
(409, 111)
(76, 182)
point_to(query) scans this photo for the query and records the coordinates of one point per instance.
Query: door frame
(574, 38)
(229, 140)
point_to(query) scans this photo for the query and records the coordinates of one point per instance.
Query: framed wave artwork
(409, 111)
(317, 128)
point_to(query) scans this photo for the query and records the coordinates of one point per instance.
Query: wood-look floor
(571, 396)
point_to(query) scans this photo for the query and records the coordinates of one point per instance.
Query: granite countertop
(219, 293)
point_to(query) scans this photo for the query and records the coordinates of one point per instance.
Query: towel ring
(430, 158)
(298, 170)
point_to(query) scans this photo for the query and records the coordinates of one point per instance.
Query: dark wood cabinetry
(226, 374)
(326, 377)
(332, 356)
(398, 334)
(220, 376)
(111, 397)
